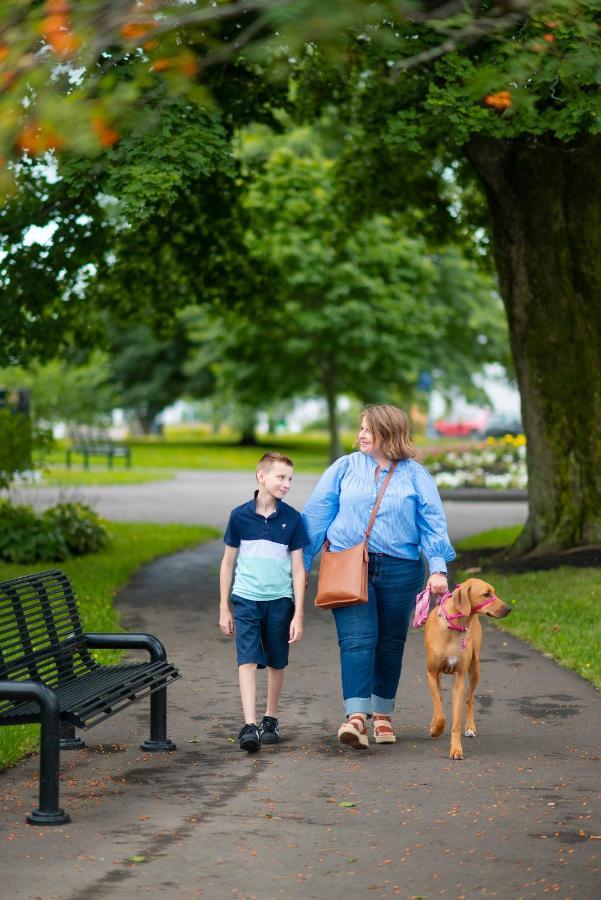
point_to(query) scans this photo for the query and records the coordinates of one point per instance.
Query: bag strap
(379, 500)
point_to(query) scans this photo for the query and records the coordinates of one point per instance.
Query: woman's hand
(437, 583)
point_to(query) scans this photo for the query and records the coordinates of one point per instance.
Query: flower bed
(498, 463)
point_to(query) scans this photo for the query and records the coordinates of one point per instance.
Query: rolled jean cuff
(381, 705)
(357, 705)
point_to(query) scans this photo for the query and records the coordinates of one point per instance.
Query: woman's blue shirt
(410, 521)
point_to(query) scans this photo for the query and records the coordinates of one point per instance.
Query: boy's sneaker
(249, 738)
(268, 729)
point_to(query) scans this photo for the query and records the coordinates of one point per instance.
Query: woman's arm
(432, 526)
(322, 507)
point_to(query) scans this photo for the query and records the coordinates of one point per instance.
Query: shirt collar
(252, 505)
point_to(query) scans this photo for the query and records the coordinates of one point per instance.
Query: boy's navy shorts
(263, 631)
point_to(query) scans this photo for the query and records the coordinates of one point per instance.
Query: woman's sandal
(353, 733)
(383, 730)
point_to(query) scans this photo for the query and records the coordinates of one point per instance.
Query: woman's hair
(390, 427)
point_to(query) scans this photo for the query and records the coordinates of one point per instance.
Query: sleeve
(232, 535)
(299, 537)
(322, 507)
(432, 524)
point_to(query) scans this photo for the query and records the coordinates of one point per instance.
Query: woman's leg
(357, 628)
(396, 584)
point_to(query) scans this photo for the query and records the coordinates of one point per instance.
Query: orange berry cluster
(498, 100)
(56, 27)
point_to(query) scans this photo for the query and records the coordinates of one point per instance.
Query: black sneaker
(249, 738)
(268, 729)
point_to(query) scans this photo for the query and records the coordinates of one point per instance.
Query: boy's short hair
(270, 458)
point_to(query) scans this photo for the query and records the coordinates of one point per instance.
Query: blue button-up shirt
(410, 520)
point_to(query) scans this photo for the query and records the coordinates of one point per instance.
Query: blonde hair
(391, 430)
(270, 458)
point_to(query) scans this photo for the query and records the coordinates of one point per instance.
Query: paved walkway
(207, 498)
(518, 818)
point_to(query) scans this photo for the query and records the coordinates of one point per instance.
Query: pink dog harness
(422, 608)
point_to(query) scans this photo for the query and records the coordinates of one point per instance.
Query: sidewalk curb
(513, 495)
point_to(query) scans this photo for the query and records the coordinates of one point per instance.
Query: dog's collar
(449, 618)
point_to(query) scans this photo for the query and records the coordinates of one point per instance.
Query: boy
(268, 592)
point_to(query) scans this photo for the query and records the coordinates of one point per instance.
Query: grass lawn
(96, 579)
(194, 450)
(59, 476)
(556, 612)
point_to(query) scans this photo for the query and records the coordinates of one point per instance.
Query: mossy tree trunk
(545, 203)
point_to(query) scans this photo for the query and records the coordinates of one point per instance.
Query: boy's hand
(226, 622)
(296, 630)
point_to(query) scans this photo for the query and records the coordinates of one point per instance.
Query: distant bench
(48, 675)
(98, 448)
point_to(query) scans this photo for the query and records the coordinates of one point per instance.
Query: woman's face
(367, 440)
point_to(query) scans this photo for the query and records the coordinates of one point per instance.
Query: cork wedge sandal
(353, 733)
(383, 730)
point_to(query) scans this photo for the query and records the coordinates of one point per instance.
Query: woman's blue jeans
(371, 635)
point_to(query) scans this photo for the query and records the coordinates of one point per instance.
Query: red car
(467, 426)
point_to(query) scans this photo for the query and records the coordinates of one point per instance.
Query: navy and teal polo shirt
(264, 566)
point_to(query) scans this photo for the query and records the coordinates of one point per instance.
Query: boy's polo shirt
(264, 566)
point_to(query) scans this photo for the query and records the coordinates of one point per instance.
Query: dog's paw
(437, 727)
(470, 732)
(456, 753)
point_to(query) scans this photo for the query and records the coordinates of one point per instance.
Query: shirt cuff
(437, 564)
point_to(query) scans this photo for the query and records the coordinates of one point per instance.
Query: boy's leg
(247, 675)
(275, 680)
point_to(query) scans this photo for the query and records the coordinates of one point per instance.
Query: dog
(453, 638)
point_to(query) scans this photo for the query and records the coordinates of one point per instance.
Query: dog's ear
(461, 599)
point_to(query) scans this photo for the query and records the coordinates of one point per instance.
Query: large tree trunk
(545, 203)
(247, 421)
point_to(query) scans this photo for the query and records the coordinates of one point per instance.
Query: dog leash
(422, 608)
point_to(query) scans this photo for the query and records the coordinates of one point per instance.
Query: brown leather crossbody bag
(343, 575)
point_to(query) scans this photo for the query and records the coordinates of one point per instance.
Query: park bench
(48, 675)
(105, 447)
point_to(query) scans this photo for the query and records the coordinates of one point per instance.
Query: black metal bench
(48, 675)
(106, 448)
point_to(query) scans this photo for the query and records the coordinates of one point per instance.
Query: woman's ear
(461, 599)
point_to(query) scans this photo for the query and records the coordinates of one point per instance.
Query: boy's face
(275, 480)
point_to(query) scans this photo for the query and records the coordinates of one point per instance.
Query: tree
(147, 370)
(522, 114)
(60, 61)
(73, 392)
(142, 231)
(357, 311)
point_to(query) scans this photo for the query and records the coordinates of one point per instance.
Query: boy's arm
(226, 572)
(298, 583)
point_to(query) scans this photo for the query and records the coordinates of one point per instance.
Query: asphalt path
(207, 497)
(518, 818)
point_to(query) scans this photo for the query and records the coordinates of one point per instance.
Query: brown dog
(452, 639)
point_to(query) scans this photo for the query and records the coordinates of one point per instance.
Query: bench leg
(159, 742)
(49, 812)
(69, 740)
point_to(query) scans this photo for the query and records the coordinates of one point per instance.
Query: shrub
(68, 529)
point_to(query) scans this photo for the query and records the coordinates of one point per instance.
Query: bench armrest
(128, 642)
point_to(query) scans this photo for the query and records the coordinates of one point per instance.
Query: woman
(410, 524)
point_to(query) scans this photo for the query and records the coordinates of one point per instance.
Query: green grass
(96, 579)
(557, 612)
(492, 539)
(59, 476)
(193, 450)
